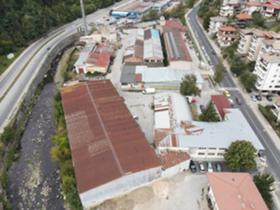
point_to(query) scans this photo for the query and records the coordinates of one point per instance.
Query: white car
(210, 167)
(201, 168)
(253, 97)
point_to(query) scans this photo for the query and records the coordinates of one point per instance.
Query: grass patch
(5, 62)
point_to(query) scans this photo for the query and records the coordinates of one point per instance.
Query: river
(33, 181)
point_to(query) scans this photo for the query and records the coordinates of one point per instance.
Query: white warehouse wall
(118, 186)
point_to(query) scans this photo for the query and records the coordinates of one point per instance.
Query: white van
(149, 91)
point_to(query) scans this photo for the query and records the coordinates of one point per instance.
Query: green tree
(258, 20)
(237, 66)
(219, 72)
(230, 52)
(248, 79)
(152, 15)
(188, 86)
(264, 183)
(240, 156)
(209, 114)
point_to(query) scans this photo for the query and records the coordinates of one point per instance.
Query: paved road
(16, 80)
(272, 153)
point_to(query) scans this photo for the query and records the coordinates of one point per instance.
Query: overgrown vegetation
(264, 183)
(188, 86)
(209, 114)
(152, 15)
(240, 156)
(208, 9)
(25, 20)
(61, 153)
(177, 12)
(219, 72)
(239, 67)
(270, 117)
(258, 20)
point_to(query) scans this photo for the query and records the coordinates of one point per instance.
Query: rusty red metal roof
(221, 102)
(106, 142)
(175, 24)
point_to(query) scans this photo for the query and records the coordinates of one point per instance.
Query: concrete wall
(176, 169)
(96, 195)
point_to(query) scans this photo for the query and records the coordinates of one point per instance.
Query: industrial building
(167, 78)
(177, 53)
(145, 48)
(233, 191)
(109, 151)
(175, 129)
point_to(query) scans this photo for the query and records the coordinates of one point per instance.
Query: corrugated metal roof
(175, 46)
(106, 142)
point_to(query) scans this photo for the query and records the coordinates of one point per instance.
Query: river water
(33, 181)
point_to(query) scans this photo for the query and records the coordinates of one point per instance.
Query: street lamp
(84, 16)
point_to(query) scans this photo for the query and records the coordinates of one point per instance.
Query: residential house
(271, 8)
(226, 36)
(230, 8)
(96, 60)
(215, 23)
(243, 19)
(233, 191)
(252, 6)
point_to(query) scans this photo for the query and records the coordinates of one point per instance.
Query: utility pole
(84, 17)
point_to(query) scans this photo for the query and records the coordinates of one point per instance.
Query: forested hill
(25, 20)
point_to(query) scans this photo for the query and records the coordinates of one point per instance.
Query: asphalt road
(272, 153)
(16, 80)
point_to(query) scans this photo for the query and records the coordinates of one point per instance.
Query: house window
(202, 148)
(220, 154)
(212, 148)
(201, 153)
(211, 153)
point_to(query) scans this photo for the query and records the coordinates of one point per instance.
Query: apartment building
(226, 36)
(251, 41)
(267, 69)
(216, 23)
(252, 6)
(230, 7)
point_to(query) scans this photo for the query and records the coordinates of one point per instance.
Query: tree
(209, 114)
(237, 66)
(240, 156)
(152, 15)
(248, 79)
(229, 52)
(219, 72)
(188, 86)
(264, 183)
(258, 20)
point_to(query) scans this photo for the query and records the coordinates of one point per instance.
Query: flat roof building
(139, 77)
(110, 153)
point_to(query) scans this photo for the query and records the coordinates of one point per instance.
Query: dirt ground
(179, 192)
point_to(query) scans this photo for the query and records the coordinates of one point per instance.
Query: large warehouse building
(110, 153)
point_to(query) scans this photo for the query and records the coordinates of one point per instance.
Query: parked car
(202, 108)
(202, 168)
(193, 168)
(269, 97)
(226, 93)
(238, 100)
(253, 97)
(210, 167)
(259, 97)
(219, 167)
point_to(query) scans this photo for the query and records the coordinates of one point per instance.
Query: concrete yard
(179, 192)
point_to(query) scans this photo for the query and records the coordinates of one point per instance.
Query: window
(202, 148)
(272, 81)
(220, 154)
(212, 148)
(270, 86)
(201, 153)
(222, 149)
(211, 153)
